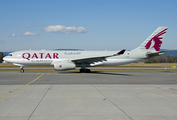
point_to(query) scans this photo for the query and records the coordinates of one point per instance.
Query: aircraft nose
(5, 58)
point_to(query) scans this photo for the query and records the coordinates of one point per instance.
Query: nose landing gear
(21, 70)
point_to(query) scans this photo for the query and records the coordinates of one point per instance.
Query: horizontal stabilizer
(148, 54)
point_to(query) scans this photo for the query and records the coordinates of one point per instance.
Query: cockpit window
(10, 55)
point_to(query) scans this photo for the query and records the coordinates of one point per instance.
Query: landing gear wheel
(85, 71)
(82, 70)
(22, 71)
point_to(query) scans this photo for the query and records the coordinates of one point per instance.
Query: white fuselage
(36, 57)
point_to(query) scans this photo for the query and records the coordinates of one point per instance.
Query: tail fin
(154, 41)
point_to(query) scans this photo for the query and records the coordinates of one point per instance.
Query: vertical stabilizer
(154, 41)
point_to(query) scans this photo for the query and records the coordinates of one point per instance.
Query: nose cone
(5, 58)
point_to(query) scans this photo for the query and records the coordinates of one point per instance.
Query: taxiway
(88, 96)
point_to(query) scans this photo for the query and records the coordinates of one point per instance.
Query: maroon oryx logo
(157, 41)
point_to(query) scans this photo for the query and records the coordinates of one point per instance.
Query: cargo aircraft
(68, 60)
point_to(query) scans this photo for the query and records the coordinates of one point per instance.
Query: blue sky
(84, 24)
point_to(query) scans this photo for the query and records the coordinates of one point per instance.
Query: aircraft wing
(156, 53)
(95, 58)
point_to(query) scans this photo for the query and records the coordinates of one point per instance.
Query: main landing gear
(82, 70)
(21, 70)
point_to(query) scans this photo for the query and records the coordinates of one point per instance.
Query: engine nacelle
(64, 65)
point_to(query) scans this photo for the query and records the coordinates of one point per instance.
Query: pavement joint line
(40, 101)
(22, 86)
(112, 102)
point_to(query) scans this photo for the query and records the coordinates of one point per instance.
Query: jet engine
(64, 65)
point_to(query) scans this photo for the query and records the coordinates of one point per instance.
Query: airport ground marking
(43, 73)
(150, 86)
(22, 86)
(126, 118)
(170, 73)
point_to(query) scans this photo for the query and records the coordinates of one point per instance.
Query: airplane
(68, 60)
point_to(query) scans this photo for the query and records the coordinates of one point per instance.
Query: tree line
(162, 59)
(1, 56)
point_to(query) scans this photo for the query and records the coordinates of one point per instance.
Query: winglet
(121, 52)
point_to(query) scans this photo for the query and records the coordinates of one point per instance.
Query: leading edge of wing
(96, 58)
